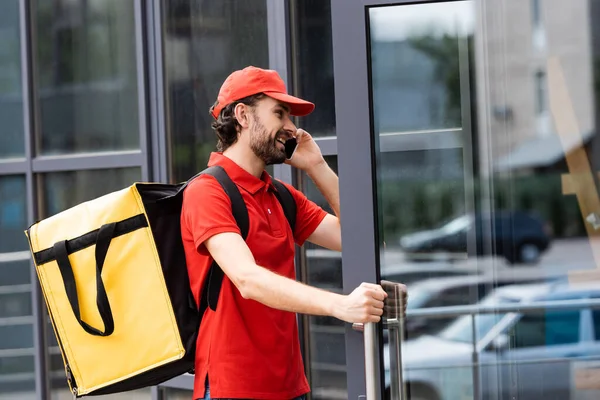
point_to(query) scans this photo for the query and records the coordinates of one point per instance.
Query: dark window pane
(17, 304)
(87, 75)
(17, 377)
(313, 68)
(63, 190)
(15, 272)
(327, 351)
(16, 336)
(204, 42)
(16, 365)
(596, 314)
(11, 100)
(549, 329)
(13, 214)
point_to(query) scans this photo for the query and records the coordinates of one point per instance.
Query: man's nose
(289, 127)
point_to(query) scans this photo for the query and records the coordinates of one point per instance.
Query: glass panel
(87, 76)
(489, 171)
(204, 42)
(11, 98)
(63, 190)
(15, 272)
(16, 336)
(326, 336)
(549, 329)
(16, 330)
(13, 214)
(17, 303)
(313, 73)
(17, 378)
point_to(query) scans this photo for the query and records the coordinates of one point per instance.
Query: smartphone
(290, 148)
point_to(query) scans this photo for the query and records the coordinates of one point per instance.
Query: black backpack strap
(212, 287)
(287, 202)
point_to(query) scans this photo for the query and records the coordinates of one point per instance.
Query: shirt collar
(240, 176)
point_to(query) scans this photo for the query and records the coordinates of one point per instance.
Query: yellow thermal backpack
(115, 281)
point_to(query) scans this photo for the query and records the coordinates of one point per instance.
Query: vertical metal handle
(373, 389)
(396, 330)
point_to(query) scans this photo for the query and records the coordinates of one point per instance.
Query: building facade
(463, 133)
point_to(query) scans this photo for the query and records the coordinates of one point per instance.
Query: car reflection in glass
(518, 236)
(533, 355)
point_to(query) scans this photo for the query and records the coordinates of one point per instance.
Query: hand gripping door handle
(105, 235)
(393, 319)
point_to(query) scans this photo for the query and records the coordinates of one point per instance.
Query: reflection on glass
(87, 75)
(415, 55)
(11, 99)
(13, 214)
(63, 190)
(313, 76)
(511, 204)
(327, 345)
(204, 42)
(16, 330)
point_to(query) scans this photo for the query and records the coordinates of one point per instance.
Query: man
(248, 348)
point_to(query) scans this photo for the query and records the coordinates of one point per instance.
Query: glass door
(419, 59)
(409, 137)
(468, 162)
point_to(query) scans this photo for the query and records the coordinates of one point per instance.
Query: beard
(264, 146)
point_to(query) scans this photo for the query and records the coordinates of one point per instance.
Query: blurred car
(456, 291)
(518, 236)
(520, 355)
(412, 274)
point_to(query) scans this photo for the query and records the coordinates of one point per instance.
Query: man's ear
(242, 115)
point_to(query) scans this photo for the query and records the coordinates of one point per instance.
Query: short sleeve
(206, 211)
(308, 215)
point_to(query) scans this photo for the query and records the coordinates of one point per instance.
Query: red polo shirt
(247, 349)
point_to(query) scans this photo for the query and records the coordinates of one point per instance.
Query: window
(313, 73)
(596, 317)
(326, 336)
(204, 41)
(16, 329)
(11, 99)
(549, 329)
(88, 93)
(63, 190)
(13, 215)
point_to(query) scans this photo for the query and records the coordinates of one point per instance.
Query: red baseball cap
(252, 80)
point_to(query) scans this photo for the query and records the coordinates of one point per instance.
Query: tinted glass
(13, 214)
(11, 98)
(63, 190)
(313, 67)
(485, 115)
(87, 76)
(549, 329)
(326, 336)
(16, 330)
(205, 41)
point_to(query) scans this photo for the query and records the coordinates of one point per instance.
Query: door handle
(372, 385)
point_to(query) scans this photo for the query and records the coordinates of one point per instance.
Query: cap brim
(298, 107)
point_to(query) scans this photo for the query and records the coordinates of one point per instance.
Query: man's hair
(226, 126)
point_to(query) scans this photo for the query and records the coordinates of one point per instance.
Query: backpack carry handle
(105, 235)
